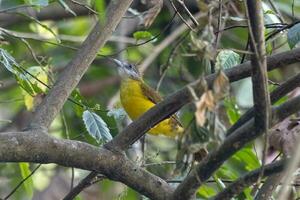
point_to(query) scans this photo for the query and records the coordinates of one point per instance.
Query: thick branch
(259, 66)
(175, 101)
(261, 96)
(14, 147)
(232, 144)
(43, 148)
(238, 186)
(75, 69)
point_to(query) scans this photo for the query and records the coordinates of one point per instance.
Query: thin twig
(165, 43)
(219, 28)
(250, 178)
(85, 6)
(147, 41)
(181, 17)
(84, 183)
(293, 9)
(181, 2)
(16, 8)
(20, 184)
(275, 32)
(31, 51)
(170, 58)
(278, 13)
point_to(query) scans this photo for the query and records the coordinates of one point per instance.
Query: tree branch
(51, 12)
(248, 179)
(175, 101)
(71, 75)
(14, 147)
(87, 181)
(139, 127)
(232, 144)
(259, 76)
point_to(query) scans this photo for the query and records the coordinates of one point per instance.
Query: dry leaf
(151, 14)
(221, 85)
(201, 43)
(206, 102)
(283, 136)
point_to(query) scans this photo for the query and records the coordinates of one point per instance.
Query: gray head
(127, 69)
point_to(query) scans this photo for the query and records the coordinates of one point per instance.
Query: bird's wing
(151, 94)
(155, 98)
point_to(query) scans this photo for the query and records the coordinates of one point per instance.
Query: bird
(137, 98)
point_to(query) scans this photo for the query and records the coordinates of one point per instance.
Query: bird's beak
(117, 62)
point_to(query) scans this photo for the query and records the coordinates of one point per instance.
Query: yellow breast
(135, 103)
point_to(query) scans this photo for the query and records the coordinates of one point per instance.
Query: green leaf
(247, 159)
(227, 172)
(117, 113)
(232, 110)
(142, 35)
(227, 59)
(40, 77)
(28, 184)
(270, 16)
(247, 193)
(76, 96)
(96, 126)
(32, 86)
(41, 3)
(100, 7)
(25, 84)
(293, 35)
(8, 61)
(269, 12)
(206, 192)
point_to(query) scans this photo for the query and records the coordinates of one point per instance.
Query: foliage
(35, 49)
(96, 126)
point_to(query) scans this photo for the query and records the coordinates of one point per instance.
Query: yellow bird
(137, 98)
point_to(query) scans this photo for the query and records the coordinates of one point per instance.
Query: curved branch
(238, 186)
(43, 148)
(14, 147)
(72, 73)
(182, 97)
(84, 183)
(232, 144)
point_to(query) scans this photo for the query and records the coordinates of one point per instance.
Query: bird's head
(127, 69)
